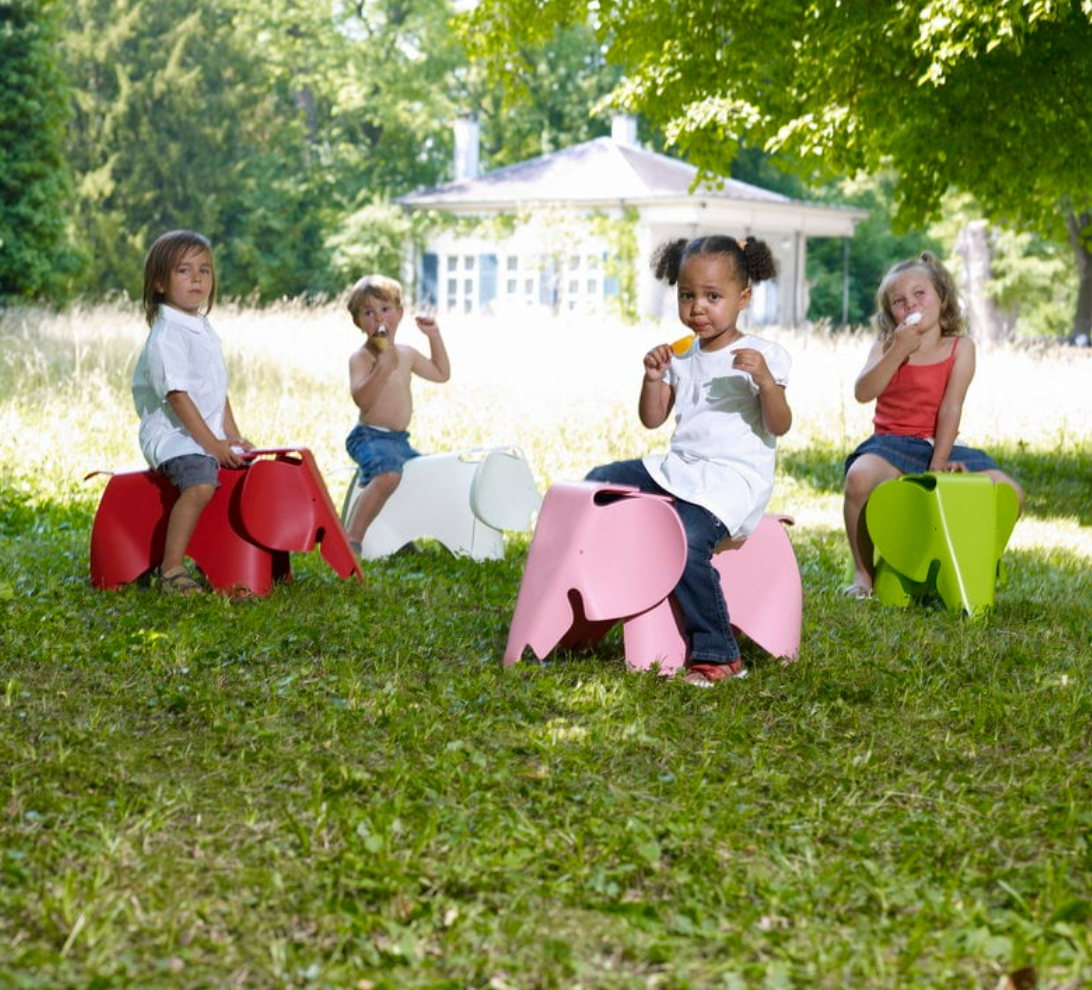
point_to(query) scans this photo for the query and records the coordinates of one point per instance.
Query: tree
(874, 247)
(177, 124)
(548, 103)
(262, 123)
(991, 96)
(35, 184)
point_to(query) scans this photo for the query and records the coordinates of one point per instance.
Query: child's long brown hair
(163, 257)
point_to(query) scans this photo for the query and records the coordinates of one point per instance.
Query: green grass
(337, 787)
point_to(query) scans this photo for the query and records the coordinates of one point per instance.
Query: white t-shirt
(182, 354)
(721, 456)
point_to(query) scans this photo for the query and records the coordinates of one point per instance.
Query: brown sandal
(179, 582)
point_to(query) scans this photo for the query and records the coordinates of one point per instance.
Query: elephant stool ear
(901, 524)
(278, 507)
(633, 556)
(503, 493)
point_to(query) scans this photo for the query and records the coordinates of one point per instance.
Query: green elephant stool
(942, 534)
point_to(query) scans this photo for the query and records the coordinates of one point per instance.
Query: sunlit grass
(338, 788)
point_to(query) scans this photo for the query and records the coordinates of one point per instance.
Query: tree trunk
(1079, 226)
(987, 324)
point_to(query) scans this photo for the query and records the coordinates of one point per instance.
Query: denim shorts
(911, 455)
(188, 470)
(378, 451)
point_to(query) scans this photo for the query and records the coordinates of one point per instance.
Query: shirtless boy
(379, 380)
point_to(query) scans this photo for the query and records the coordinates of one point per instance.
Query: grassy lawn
(340, 787)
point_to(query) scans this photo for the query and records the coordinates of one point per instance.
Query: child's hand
(657, 361)
(754, 364)
(387, 357)
(427, 325)
(226, 456)
(908, 334)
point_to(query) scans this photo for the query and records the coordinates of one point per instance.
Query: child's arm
(234, 434)
(776, 414)
(436, 367)
(369, 374)
(192, 420)
(885, 358)
(657, 397)
(951, 406)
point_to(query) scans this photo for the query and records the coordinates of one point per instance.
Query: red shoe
(708, 674)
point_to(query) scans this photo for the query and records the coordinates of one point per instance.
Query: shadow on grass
(1057, 483)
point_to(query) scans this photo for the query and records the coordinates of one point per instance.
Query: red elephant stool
(276, 505)
(603, 554)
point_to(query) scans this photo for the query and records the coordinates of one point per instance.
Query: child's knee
(198, 494)
(859, 485)
(385, 484)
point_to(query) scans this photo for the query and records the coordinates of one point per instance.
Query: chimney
(623, 130)
(467, 146)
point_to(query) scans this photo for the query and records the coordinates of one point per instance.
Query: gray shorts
(191, 469)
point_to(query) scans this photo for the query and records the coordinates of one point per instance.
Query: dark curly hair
(752, 260)
(952, 320)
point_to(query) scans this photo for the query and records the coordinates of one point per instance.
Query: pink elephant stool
(601, 554)
(259, 514)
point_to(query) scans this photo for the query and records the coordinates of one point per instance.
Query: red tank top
(910, 403)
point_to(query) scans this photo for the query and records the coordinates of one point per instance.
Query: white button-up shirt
(182, 354)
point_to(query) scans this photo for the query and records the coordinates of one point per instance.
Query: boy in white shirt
(187, 428)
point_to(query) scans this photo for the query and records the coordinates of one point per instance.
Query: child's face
(190, 282)
(376, 313)
(913, 292)
(710, 297)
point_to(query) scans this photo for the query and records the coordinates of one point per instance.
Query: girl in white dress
(727, 391)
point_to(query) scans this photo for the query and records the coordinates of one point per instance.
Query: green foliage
(35, 184)
(1032, 281)
(269, 125)
(551, 98)
(1033, 278)
(265, 147)
(873, 249)
(986, 97)
(372, 239)
(188, 133)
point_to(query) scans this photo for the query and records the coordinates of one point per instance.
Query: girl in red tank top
(918, 372)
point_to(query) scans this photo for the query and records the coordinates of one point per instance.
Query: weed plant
(339, 786)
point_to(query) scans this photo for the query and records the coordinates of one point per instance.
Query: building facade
(573, 231)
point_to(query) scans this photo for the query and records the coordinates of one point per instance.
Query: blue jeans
(700, 598)
(378, 451)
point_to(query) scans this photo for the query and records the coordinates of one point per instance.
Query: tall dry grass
(562, 389)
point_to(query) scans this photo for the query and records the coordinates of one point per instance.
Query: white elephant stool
(603, 554)
(465, 501)
(940, 534)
